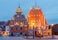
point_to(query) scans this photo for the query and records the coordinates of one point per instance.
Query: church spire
(19, 6)
(19, 9)
(35, 3)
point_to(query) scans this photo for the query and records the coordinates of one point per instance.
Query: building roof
(19, 10)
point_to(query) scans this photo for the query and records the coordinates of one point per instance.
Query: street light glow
(52, 24)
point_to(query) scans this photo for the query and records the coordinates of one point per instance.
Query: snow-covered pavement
(42, 39)
(22, 38)
(12, 38)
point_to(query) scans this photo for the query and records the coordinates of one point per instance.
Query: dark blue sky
(49, 8)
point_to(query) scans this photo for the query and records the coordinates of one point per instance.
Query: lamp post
(52, 30)
(33, 31)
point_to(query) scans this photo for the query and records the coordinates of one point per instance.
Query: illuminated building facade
(18, 24)
(36, 20)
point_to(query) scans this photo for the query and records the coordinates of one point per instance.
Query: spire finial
(19, 5)
(19, 9)
(35, 3)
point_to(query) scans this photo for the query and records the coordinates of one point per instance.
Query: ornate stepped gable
(36, 19)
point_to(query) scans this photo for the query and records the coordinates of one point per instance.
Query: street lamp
(52, 28)
(33, 30)
(52, 25)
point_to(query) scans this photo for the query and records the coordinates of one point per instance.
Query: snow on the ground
(55, 36)
(12, 38)
(36, 38)
(47, 37)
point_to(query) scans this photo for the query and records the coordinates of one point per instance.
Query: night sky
(49, 8)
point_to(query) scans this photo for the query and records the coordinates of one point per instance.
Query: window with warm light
(16, 23)
(21, 24)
